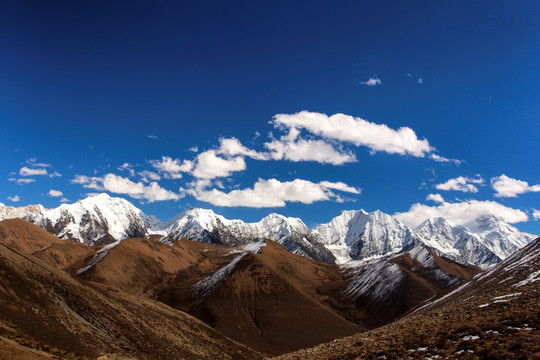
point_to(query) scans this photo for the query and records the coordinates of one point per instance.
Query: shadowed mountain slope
(493, 316)
(44, 310)
(273, 301)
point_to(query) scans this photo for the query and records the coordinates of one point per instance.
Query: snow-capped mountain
(206, 226)
(352, 235)
(501, 238)
(487, 240)
(27, 212)
(455, 242)
(95, 220)
(333, 235)
(358, 235)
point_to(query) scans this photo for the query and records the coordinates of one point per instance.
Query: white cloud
(55, 174)
(373, 81)
(194, 149)
(461, 183)
(153, 137)
(15, 198)
(172, 168)
(209, 165)
(233, 147)
(461, 213)
(22, 181)
(32, 162)
(341, 127)
(127, 167)
(420, 81)
(152, 192)
(508, 187)
(307, 150)
(442, 159)
(147, 175)
(435, 197)
(341, 186)
(536, 214)
(55, 193)
(273, 193)
(89, 182)
(64, 200)
(25, 171)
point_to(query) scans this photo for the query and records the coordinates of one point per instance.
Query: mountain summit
(352, 235)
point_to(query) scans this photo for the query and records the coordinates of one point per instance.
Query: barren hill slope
(45, 309)
(494, 316)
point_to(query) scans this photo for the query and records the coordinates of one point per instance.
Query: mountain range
(352, 235)
(274, 286)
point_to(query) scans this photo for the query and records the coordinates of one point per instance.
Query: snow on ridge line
(98, 256)
(206, 286)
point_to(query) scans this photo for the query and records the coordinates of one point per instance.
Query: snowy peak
(95, 220)
(488, 239)
(24, 212)
(197, 224)
(377, 234)
(359, 234)
(205, 226)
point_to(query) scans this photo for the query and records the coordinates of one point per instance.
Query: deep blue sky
(84, 84)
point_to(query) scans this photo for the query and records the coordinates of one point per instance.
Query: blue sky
(232, 106)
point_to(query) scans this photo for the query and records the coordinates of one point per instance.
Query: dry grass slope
(495, 316)
(45, 312)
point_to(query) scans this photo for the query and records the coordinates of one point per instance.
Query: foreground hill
(273, 301)
(45, 312)
(494, 316)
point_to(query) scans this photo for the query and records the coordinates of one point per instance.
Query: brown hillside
(269, 301)
(494, 316)
(25, 236)
(44, 309)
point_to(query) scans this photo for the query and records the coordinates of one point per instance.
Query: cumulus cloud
(152, 192)
(25, 171)
(22, 181)
(442, 159)
(55, 193)
(172, 168)
(307, 150)
(345, 128)
(127, 167)
(233, 147)
(462, 213)
(89, 182)
(373, 81)
(508, 187)
(147, 175)
(341, 186)
(461, 183)
(536, 214)
(435, 197)
(33, 162)
(273, 193)
(210, 165)
(15, 198)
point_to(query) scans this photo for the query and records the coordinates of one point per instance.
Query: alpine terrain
(274, 286)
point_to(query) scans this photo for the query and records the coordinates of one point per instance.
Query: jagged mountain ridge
(206, 226)
(352, 235)
(99, 219)
(492, 316)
